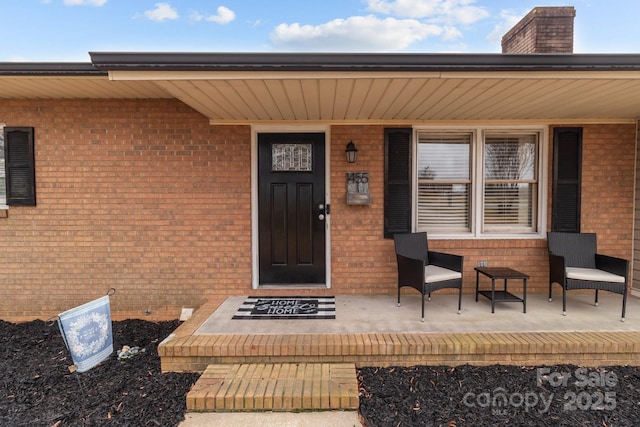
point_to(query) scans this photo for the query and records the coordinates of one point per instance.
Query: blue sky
(66, 30)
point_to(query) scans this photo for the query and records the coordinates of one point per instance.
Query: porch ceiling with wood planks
(365, 88)
(226, 97)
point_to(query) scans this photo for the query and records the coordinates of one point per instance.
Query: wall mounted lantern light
(352, 152)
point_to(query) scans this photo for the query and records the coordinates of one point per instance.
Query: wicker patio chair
(575, 264)
(424, 270)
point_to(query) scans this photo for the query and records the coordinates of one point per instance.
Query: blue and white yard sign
(87, 333)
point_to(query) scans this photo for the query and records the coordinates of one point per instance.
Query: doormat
(287, 308)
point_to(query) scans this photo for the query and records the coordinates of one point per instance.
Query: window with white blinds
(477, 182)
(510, 182)
(444, 181)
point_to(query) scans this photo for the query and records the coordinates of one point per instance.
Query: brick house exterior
(148, 195)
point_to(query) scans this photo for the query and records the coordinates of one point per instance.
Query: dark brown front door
(291, 208)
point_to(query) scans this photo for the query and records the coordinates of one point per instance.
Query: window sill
(468, 236)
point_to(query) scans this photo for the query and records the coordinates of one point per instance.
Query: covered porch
(372, 331)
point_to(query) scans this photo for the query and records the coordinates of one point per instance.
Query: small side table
(504, 295)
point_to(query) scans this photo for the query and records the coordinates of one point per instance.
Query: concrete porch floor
(363, 314)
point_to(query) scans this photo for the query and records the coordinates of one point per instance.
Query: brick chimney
(543, 30)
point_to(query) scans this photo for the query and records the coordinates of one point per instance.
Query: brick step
(289, 387)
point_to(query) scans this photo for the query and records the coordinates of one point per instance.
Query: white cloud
(466, 15)
(84, 2)
(357, 33)
(224, 16)
(407, 22)
(450, 33)
(162, 12)
(449, 11)
(508, 19)
(196, 16)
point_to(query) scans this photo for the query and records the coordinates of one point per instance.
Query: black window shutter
(19, 166)
(567, 179)
(397, 181)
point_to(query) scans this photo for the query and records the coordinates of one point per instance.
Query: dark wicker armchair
(424, 270)
(574, 264)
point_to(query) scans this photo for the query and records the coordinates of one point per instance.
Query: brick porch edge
(193, 353)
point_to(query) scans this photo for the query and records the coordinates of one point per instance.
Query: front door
(291, 208)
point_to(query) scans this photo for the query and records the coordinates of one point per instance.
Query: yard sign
(86, 331)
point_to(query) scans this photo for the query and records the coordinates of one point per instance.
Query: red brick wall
(363, 261)
(608, 186)
(148, 198)
(142, 196)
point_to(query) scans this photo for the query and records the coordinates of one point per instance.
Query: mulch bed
(37, 388)
(563, 395)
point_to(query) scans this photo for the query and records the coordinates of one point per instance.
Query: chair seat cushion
(433, 273)
(592, 274)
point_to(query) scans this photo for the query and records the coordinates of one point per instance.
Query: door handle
(324, 211)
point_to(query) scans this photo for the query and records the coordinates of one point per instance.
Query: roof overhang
(231, 88)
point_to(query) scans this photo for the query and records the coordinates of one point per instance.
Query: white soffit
(67, 87)
(240, 97)
(360, 96)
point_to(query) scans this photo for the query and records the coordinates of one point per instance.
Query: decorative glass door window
(291, 158)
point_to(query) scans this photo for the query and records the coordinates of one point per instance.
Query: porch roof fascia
(50, 69)
(398, 62)
(103, 62)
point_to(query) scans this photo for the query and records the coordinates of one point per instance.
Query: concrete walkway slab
(273, 419)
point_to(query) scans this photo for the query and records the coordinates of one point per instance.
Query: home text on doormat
(296, 307)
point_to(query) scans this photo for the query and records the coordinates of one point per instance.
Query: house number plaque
(358, 188)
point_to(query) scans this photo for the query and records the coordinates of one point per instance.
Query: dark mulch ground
(563, 395)
(37, 389)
